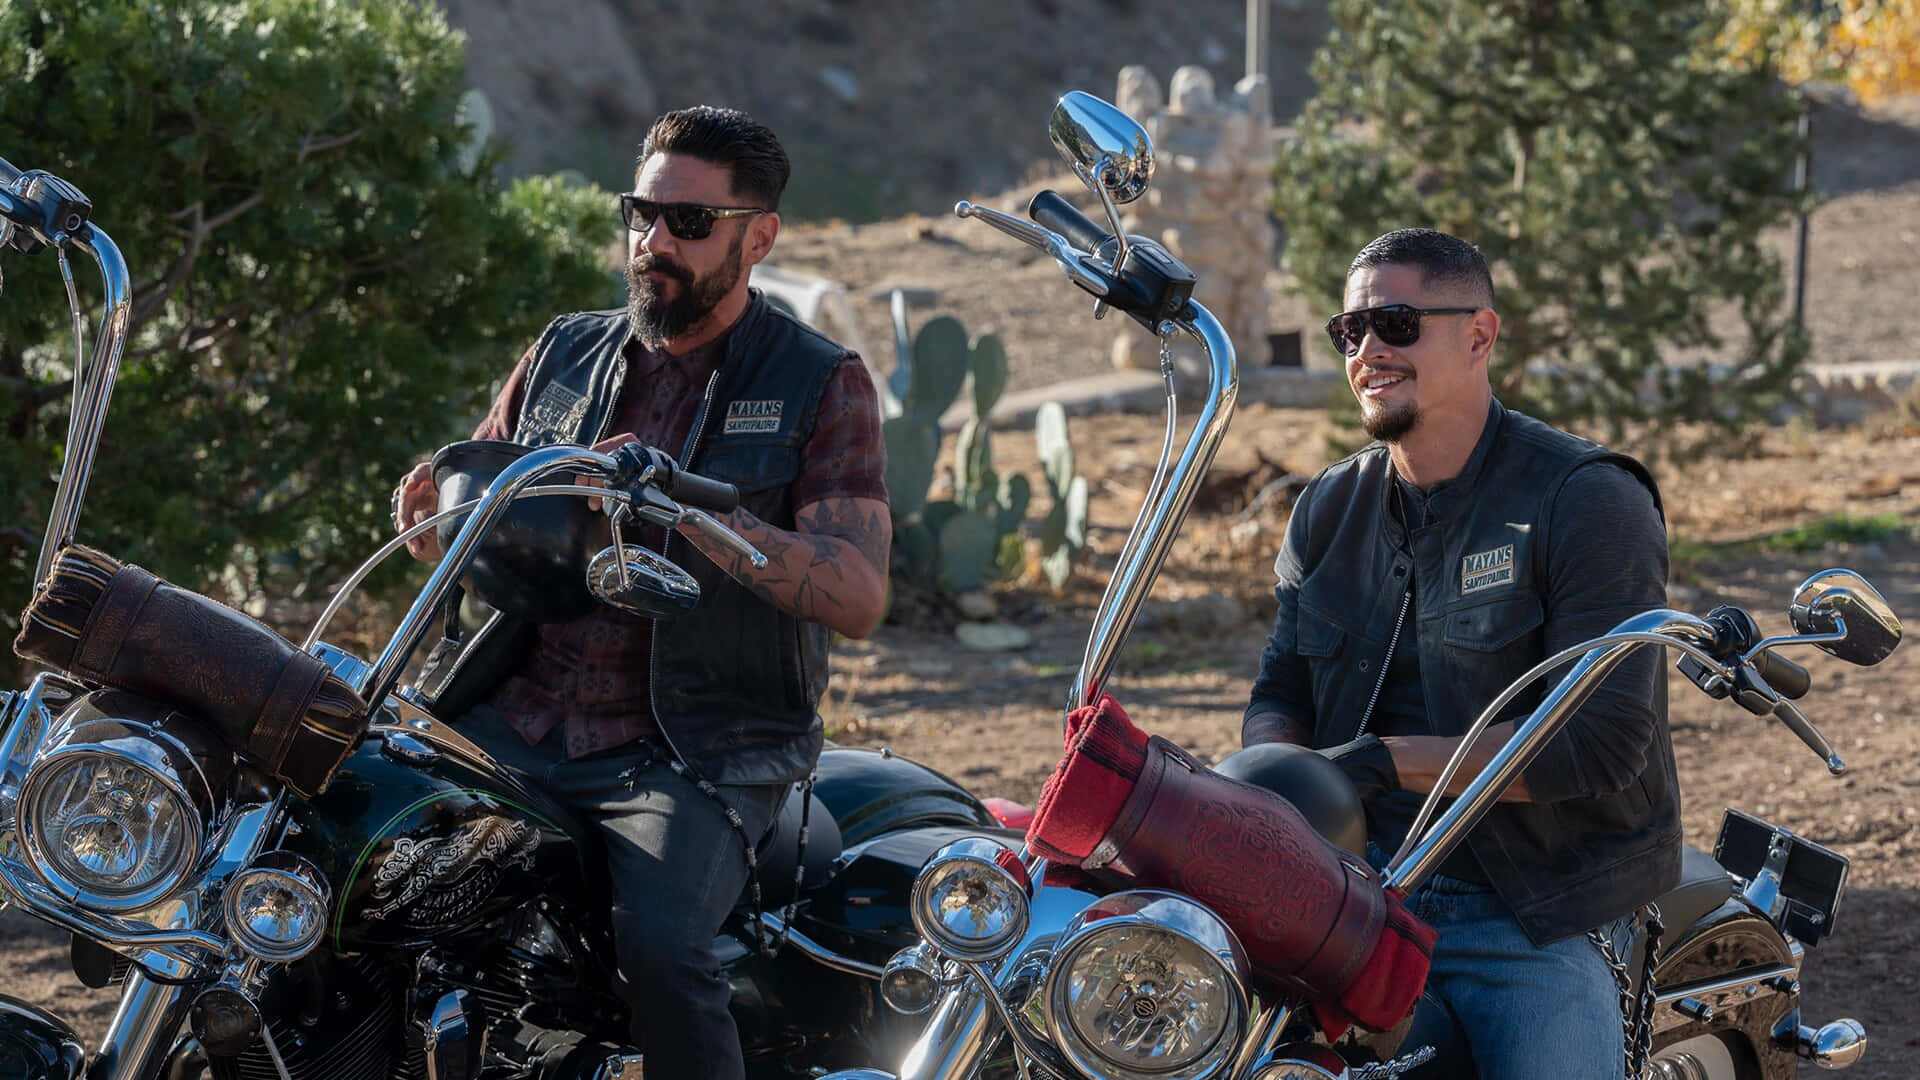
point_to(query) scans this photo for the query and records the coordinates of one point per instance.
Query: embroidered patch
(753, 417)
(1486, 569)
(558, 411)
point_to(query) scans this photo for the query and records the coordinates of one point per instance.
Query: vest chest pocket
(750, 465)
(1489, 645)
(1495, 625)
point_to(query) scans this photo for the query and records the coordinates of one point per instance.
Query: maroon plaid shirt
(589, 677)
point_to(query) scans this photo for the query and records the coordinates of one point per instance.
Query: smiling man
(1417, 579)
(682, 744)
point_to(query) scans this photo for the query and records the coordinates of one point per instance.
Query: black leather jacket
(735, 682)
(1603, 834)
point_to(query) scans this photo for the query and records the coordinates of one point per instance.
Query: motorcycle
(397, 906)
(426, 916)
(1034, 969)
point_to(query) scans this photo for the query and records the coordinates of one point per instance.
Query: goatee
(1390, 424)
(656, 320)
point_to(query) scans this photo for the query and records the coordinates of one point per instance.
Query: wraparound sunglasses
(1396, 324)
(688, 221)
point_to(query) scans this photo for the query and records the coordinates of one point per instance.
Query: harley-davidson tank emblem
(432, 880)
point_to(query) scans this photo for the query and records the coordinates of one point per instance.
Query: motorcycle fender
(1729, 942)
(36, 1045)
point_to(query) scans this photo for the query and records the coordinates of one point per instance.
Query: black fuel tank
(420, 836)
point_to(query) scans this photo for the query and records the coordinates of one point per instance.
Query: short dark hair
(1444, 260)
(750, 151)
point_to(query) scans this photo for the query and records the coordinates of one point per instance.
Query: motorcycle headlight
(113, 815)
(277, 907)
(970, 899)
(1147, 985)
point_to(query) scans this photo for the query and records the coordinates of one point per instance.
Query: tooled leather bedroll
(111, 624)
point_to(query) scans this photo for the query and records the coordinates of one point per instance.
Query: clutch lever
(648, 504)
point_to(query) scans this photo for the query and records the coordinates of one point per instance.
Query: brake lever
(1755, 695)
(1072, 261)
(733, 541)
(1789, 714)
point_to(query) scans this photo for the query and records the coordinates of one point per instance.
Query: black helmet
(1314, 785)
(534, 564)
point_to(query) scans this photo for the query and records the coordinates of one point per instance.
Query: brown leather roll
(281, 709)
(1308, 913)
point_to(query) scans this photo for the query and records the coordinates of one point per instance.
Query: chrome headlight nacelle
(1147, 985)
(115, 811)
(970, 900)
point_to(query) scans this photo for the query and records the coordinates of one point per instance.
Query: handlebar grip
(1788, 678)
(713, 496)
(1052, 210)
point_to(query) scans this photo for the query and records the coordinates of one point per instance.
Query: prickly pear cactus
(958, 543)
(1063, 532)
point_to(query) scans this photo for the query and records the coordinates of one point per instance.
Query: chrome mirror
(1108, 149)
(1841, 600)
(645, 584)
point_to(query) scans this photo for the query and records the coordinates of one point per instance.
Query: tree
(1614, 161)
(1871, 45)
(327, 276)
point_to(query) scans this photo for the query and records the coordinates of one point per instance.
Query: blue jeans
(676, 867)
(1499, 1007)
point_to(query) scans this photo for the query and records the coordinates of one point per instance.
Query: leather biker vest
(735, 682)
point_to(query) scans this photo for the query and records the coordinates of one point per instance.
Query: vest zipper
(1406, 599)
(653, 642)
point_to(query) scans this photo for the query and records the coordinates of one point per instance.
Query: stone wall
(1208, 202)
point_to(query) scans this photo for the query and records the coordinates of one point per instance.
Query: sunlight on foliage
(1873, 46)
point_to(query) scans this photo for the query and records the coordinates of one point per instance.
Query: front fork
(142, 1032)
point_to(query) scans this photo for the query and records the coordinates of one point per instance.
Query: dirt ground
(992, 720)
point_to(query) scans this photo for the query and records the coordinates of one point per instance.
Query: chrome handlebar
(1169, 498)
(1421, 854)
(514, 482)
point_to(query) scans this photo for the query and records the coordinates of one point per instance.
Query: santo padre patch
(753, 417)
(1485, 569)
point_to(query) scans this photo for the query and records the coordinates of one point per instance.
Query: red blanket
(1080, 803)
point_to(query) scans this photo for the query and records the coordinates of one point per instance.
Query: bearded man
(1417, 579)
(681, 747)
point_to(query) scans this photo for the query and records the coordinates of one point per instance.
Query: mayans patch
(753, 417)
(1485, 569)
(558, 411)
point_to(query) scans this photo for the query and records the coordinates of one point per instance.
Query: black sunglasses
(688, 221)
(1396, 324)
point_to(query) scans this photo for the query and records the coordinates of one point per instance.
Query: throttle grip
(1788, 678)
(1052, 211)
(713, 496)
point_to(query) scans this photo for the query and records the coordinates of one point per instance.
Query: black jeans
(677, 868)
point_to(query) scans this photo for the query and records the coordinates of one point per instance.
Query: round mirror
(1104, 144)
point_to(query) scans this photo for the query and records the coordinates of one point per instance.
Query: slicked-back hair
(1444, 260)
(749, 151)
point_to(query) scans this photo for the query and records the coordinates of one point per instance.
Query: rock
(916, 295)
(992, 636)
(844, 83)
(1880, 485)
(977, 604)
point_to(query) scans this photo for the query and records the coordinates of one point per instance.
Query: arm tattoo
(813, 571)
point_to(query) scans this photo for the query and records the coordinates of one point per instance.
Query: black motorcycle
(382, 900)
(1039, 969)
